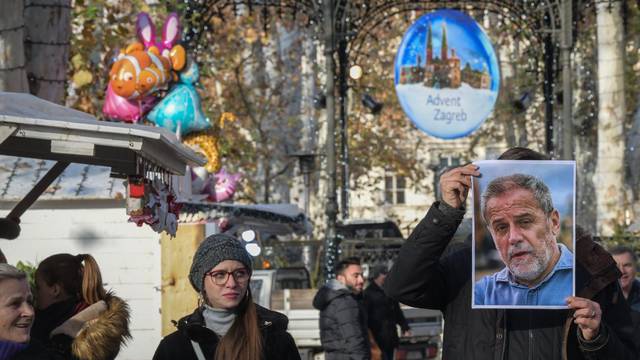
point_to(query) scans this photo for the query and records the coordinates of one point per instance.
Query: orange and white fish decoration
(139, 72)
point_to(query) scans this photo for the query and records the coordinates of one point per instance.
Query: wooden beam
(6, 131)
(121, 160)
(178, 296)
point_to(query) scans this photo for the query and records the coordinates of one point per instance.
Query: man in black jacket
(597, 324)
(343, 323)
(630, 285)
(383, 314)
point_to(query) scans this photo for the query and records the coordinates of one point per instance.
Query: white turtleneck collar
(218, 320)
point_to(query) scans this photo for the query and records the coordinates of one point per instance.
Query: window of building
(394, 188)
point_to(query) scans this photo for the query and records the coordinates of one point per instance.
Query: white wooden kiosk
(44, 152)
(35, 128)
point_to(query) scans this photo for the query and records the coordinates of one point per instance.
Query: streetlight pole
(343, 62)
(330, 246)
(306, 161)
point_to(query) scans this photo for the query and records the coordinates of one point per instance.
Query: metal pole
(307, 184)
(343, 61)
(307, 254)
(567, 96)
(37, 190)
(330, 246)
(548, 94)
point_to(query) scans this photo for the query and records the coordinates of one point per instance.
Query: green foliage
(622, 237)
(632, 60)
(387, 140)
(30, 270)
(99, 29)
(521, 71)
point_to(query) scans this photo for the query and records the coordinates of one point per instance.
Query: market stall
(35, 128)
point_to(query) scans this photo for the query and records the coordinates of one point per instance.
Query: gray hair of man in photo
(503, 184)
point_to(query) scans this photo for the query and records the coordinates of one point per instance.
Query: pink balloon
(225, 187)
(119, 108)
(219, 187)
(146, 32)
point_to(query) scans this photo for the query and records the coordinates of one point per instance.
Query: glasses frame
(229, 274)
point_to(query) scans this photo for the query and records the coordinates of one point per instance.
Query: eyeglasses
(241, 276)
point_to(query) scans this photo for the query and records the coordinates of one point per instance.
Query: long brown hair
(81, 281)
(243, 340)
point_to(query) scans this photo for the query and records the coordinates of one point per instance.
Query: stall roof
(278, 219)
(78, 181)
(35, 128)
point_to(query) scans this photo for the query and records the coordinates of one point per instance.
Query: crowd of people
(76, 318)
(358, 323)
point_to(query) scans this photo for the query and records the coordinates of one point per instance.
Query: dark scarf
(10, 348)
(53, 316)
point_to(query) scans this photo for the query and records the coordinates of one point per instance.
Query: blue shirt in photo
(501, 289)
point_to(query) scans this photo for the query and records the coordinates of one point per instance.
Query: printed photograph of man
(518, 212)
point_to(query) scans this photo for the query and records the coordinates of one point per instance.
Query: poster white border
(506, 163)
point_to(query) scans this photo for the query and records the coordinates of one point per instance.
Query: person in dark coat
(383, 314)
(596, 325)
(228, 325)
(76, 317)
(343, 323)
(627, 263)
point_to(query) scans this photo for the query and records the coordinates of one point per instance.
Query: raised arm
(420, 276)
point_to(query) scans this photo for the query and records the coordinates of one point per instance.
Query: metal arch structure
(536, 19)
(549, 24)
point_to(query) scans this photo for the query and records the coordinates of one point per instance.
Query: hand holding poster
(523, 234)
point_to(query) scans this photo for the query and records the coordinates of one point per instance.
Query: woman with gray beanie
(228, 325)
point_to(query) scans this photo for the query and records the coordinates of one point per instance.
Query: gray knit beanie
(214, 250)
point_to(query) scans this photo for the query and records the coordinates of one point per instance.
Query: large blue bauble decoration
(181, 107)
(446, 74)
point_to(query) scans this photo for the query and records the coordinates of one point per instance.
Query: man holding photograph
(519, 213)
(431, 273)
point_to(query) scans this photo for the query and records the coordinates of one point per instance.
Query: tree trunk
(13, 76)
(611, 117)
(585, 116)
(48, 31)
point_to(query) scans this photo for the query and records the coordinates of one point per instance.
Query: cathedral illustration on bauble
(445, 71)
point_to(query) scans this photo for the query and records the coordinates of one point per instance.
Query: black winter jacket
(383, 314)
(276, 341)
(423, 277)
(35, 351)
(343, 323)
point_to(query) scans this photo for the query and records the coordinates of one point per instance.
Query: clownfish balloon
(144, 69)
